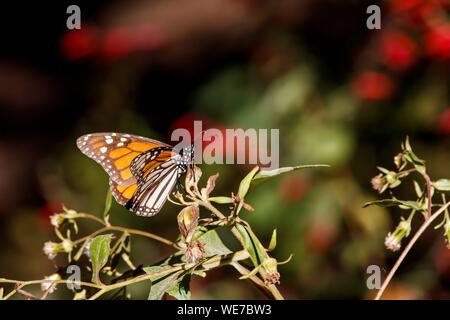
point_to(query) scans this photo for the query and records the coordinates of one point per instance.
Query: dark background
(339, 93)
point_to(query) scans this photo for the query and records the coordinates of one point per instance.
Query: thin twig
(211, 263)
(269, 291)
(130, 231)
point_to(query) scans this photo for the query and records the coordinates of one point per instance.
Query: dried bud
(188, 221)
(192, 177)
(51, 249)
(56, 219)
(195, 251)
(393, 240)
(392, 243)
(50, 286)
(210, 185)
(269, 271)
(378, 183)
(399, 159)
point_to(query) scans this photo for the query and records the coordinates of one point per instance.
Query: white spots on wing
(86, 138)
(113, 134)
(103, 149)
(123, 139)
(109, 141)
(102, 157)
(120, 144)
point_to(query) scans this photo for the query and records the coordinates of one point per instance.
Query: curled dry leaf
(210, 185)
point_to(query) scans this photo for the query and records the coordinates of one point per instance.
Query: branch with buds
(408, 163)
(104, 255)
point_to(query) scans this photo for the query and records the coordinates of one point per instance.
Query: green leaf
(221, 200)
(264, 174)
(394, 202)
(108, 202)
(273, 241)
(384, 170)
(245, 183)
(442, 185)
(417, 188)
(410, 156)
(161, 284)
(216, 242)
(99, 252)
(252, 244)
(180, 290)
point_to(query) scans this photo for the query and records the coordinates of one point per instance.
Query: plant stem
(21, 284)
(408, 247)
(270, 291)
(130, 231)
(212, 263)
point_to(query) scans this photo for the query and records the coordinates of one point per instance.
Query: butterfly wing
(115, 152)
(158, 176)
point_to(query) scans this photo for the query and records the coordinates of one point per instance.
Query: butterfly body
(142, 171)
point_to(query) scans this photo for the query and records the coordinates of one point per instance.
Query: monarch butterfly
(142, 171)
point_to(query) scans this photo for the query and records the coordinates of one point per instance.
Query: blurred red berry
(438, 42)
(147, 38)
(417, 13)
(398, 51)
(115, 44)
(404, 5)
(320, 237)
(444, 122)
(372, 86)
(77, 44)
(293, 188)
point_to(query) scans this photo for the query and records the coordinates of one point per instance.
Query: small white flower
(56, 219)
(391, 242)
(50, 249)
(50, 286)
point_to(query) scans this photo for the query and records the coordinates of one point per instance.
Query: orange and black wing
(115, 152)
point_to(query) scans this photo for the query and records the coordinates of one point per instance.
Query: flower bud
(50, 286)
(195, 251)
(393, 240)
(399, 160)
(269, 271)
(51, 249)
(188, 221)
(379, 183)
